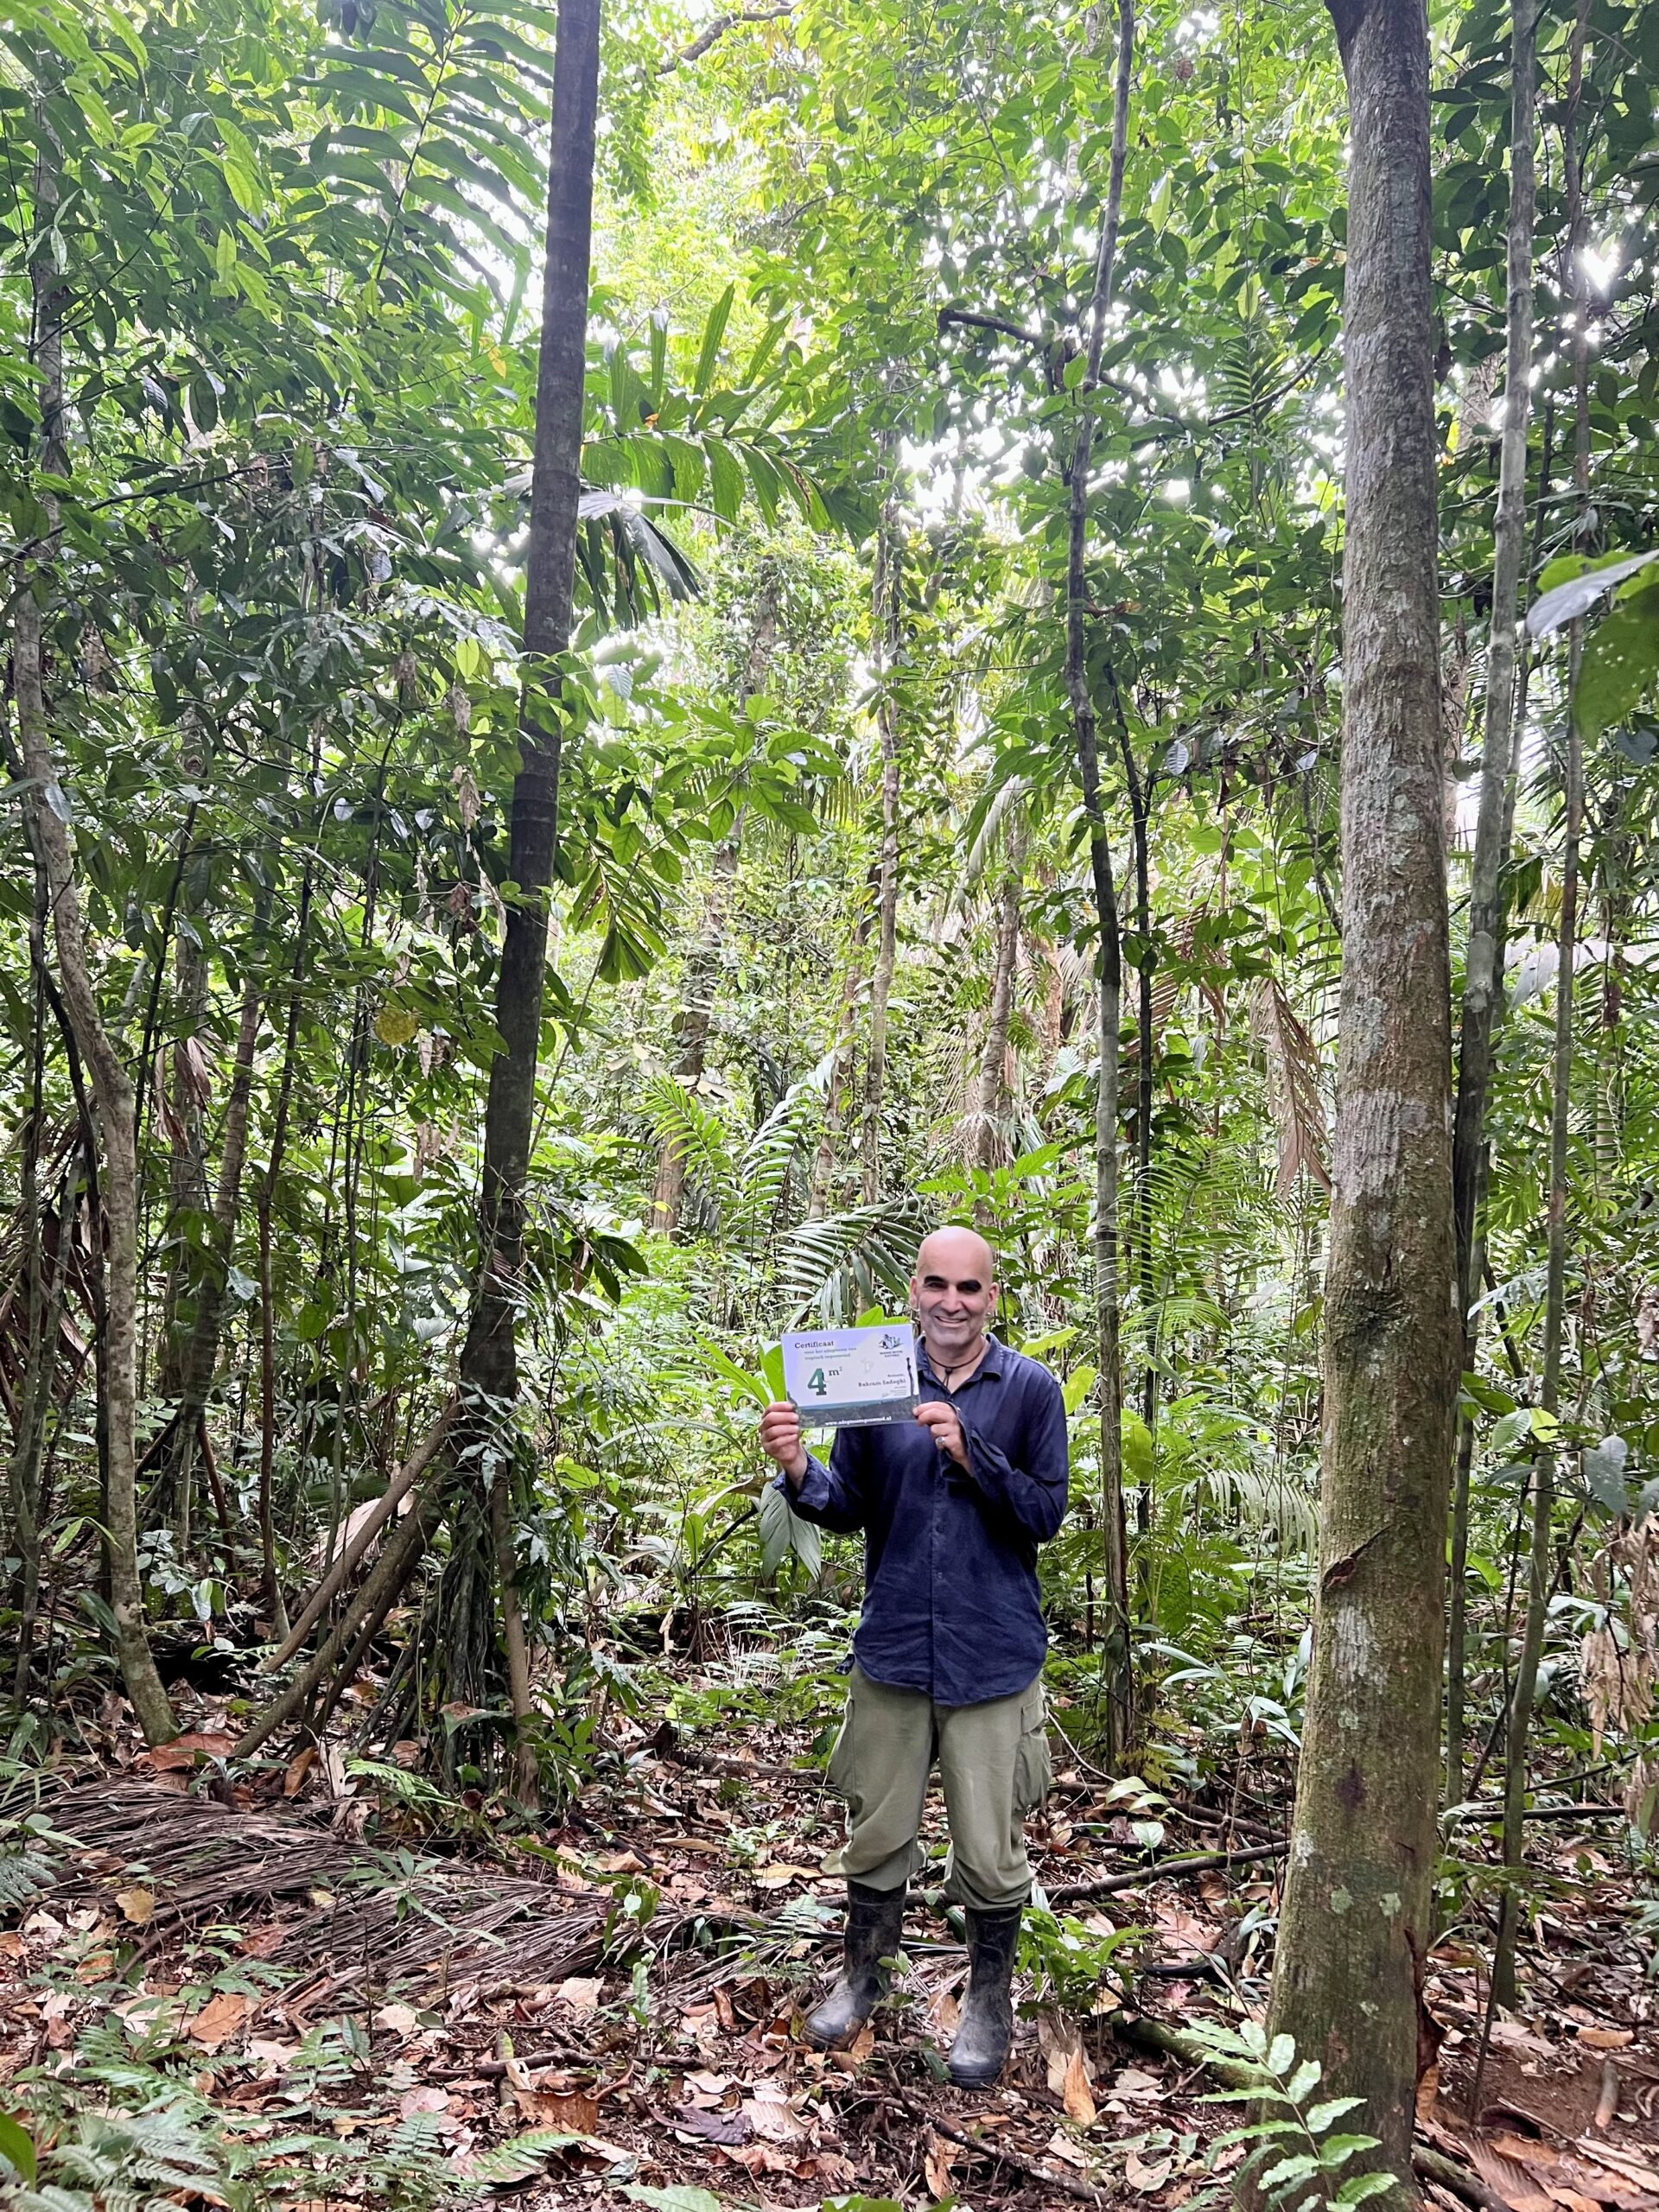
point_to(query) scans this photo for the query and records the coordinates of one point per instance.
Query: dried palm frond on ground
(373, 1916)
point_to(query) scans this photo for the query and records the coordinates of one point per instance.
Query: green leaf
(1358, 2187)
(752, 1386)
(713, 332)
(1619, 664)
(681, 2197)
(1318, 2117)
(17, 2147)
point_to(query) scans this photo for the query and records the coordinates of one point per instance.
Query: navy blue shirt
(951, 1598)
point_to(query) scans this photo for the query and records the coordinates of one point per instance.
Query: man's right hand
(780, 1440)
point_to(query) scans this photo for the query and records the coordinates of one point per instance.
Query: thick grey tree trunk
(1357, 1918)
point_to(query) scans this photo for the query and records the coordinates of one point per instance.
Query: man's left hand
(946, 1430)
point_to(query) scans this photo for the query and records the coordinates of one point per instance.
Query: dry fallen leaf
(580, 1992)
(937, 2155)
(622, 1862)
(578, 2114)
(1133, 2082)
(136, 1905)
(184, 1750)
(770, 2116)
(725, 2010)
(1143, 2176)
(1527, 2149)
(298, 1767)
(397, 2019)
(1607, 2038)
(422, 2100)
(780, 1877)
(1075, 2093)
(220, 2018)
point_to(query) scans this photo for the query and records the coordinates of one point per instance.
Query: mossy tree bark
(1356, 1922)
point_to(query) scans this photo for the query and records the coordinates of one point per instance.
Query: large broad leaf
(1603, 1474)
(1574, 597)
(1619, 664)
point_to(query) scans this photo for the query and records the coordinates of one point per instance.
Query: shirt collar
(989, 1368)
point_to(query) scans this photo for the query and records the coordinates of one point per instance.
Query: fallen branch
(391, 1571)
(1199, 1862)
(342, 1569)
(1081, 2192)
(1463, 1816)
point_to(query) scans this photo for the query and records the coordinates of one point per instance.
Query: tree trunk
(702, 969)
(835, 1105)
(1140, 814)
(186, 1161)
(1116, 1671)
(1482, 985)
(489, 1363)
(112, 1087)
(695, 1019)
(990, 1092)
(266, 1205)
(1357, 1915)
(887, 593)
(1540, 1576)
(200, 1361)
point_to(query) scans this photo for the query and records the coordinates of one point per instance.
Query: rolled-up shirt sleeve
(1034, 1493)
(834, 1497)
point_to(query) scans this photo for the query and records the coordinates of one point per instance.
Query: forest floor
(343, 2003)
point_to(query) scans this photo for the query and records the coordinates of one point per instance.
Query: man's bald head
(953, 1295)
(956, 1251)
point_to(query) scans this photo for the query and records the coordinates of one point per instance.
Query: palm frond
(1293, 1086)
(693, 1133)
(834, 1268)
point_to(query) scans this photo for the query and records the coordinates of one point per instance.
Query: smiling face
(953, 1294)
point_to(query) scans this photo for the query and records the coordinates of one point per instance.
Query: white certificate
(848, 1378)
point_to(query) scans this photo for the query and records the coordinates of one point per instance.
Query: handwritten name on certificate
(847, 1378)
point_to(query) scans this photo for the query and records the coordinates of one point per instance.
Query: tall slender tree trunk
(841, 1068)
(1357, 1924)
(1540, 1572)
(991, 1090)
(112, 1087)
(888, 593)
(1482, 985)
(696, 1012)
(1116, 1668)
(1139, 816)
(489, 1363)
(187, 1159)
(200, 1360)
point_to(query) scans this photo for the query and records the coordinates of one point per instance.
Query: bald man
(948, 1659)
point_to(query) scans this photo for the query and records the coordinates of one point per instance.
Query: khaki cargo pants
(994, 1765)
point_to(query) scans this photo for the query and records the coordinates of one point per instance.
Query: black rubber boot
(985, 2027)
(875, 1924)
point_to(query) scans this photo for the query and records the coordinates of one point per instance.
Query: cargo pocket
(1033, 1763)
(840, 1772)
